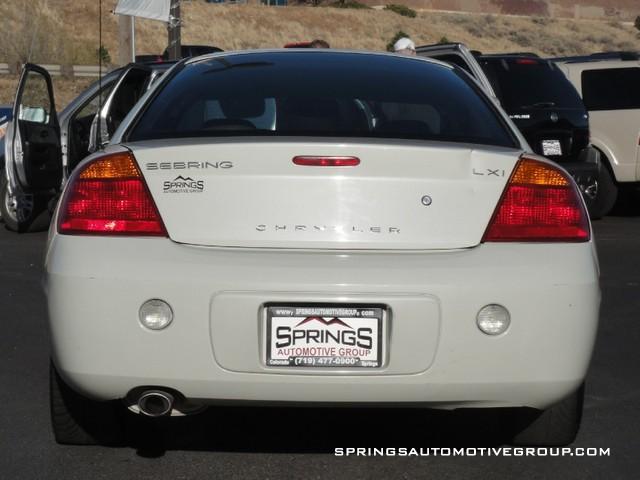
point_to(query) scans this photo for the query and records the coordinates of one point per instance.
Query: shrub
(103, 54)
(540, 21)
(444, 40)
(401, 10)
(399, 34)
(350, 4)
(637, 22)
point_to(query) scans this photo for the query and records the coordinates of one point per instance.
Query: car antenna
(98, 130)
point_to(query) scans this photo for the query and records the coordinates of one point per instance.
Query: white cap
(404, 44)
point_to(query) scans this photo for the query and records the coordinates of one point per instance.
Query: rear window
(530, 83)
(321, 93)
(611, 89)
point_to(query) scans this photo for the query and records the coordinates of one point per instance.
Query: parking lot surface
(251, 442)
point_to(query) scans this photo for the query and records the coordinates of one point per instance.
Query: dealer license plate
(327, 337)
(551, 147)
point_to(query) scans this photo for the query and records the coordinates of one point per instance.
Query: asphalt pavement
(251, 442)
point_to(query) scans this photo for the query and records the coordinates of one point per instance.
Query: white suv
(610, 88)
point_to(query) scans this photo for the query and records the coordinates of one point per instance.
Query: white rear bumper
(212, 350)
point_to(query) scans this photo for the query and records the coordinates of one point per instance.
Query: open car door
(457, 54)
(129, 88)
(34, 148)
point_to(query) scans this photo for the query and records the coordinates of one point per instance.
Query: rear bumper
(585, 170)
(212, 350)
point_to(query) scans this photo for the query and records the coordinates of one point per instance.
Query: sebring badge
(187, 165)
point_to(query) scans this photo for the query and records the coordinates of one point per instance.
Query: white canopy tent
(151, 9)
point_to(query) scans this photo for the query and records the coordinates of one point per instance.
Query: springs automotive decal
(182, 184)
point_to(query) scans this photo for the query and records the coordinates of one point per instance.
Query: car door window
(80, 126)
(36, 134)
(36, 105)
(126, 96)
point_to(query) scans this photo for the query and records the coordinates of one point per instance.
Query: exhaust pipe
(155, 403)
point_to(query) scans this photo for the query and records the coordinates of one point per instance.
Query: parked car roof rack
(595, 57)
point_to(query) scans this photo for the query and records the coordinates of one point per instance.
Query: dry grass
(75, 39)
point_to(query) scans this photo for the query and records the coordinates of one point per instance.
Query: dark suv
(545, 107)
(549, 112)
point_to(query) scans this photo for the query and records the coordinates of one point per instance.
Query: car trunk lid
(249, 192)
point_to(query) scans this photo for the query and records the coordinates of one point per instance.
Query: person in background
(318, 43)
(404, 46)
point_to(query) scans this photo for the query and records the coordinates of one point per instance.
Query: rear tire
(556, 426)
(77, 420)
(35, 216)
(606, 195)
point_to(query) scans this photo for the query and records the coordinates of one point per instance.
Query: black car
(545, 107)
(549, 112)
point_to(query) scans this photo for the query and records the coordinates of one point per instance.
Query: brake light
(313, 161)
(539, 204)
(109, 197)
(527, 61)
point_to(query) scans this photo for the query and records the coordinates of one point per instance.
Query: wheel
(600, 197)
(31, 215)
(556, 426)
(77, 420)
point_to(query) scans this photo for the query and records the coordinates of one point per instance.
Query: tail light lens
(539, 204)
(109, 197)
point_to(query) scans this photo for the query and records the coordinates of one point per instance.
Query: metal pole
(133, 39)
(125, 39)
(174, 31)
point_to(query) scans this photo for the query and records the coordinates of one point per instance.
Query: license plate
(551, 147)
(325, 337)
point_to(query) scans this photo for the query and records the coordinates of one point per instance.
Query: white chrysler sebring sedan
(319, 227)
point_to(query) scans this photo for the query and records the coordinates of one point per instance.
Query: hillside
(66, 31)
(601, 9)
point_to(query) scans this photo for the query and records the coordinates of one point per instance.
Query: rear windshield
(321, 93)
(530, 83)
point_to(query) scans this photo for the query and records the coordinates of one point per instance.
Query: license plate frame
(354, 319)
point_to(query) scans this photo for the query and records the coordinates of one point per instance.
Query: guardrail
(58, 70)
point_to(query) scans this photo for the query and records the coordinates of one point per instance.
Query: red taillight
(539, 204)
(313, 161)
(109, 197)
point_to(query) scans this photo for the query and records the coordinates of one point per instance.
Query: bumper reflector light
(155, 314)
(493, 319)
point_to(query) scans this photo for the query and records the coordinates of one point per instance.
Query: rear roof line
(312, 51)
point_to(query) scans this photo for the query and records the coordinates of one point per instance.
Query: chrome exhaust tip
(155, 403)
